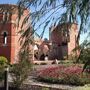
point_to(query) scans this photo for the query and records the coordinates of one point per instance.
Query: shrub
(62, 74)
(87, 69)
(73, 79)
(1, 73)
(21, 70)
(3, 60)
(3, 63)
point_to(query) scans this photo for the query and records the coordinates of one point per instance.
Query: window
(5, 16)
(5, 38)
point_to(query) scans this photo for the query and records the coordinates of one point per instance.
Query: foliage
(71, 75)
(55, 12)
(45, 88)
(84, 54)
(1, 72)
(85, 51)
(74, 11)
(3, 60)
(3, 63)
(21, 70)
(87, 69)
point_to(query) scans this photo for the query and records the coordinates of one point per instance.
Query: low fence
(43, 62)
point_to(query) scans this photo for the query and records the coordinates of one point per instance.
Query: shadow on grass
(10, 88)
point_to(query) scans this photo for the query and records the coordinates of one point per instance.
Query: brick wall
(63, 45)
(11, 49)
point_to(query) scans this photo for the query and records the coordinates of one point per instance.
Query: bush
(3, 63)
(21, 70)
(3, 60)
(73, 79)
(1, 73)
(87, 69)
(70, 75)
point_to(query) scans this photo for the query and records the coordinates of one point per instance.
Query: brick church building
(62, 38)
(9, 36)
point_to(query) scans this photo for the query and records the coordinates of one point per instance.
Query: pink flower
(59, 71)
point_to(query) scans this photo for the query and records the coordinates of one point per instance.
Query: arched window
(5, 38)
(6, 16)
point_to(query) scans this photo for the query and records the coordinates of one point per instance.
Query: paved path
(32, 81)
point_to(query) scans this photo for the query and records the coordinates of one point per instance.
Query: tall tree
(58, 11)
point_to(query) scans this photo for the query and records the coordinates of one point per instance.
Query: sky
(46, 34)
(8, 1)
(39, 31)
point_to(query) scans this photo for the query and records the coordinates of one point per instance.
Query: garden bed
(67, 75)
(35, 85)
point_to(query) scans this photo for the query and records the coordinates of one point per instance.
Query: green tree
(3, 62)
(84, 56)
(56, 12)
(21, 70)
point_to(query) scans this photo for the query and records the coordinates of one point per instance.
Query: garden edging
(35, 85)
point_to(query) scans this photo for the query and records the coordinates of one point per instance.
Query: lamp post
(6, 78)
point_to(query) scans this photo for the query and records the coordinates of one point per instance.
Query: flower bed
(71, 75)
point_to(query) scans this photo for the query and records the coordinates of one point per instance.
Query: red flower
(59, 71)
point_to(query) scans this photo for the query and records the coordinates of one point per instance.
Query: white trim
(4, 38)
(4, 31)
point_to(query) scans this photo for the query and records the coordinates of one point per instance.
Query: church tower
(9, 36)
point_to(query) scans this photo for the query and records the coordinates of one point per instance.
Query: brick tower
(9, 36)
(63, 38)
